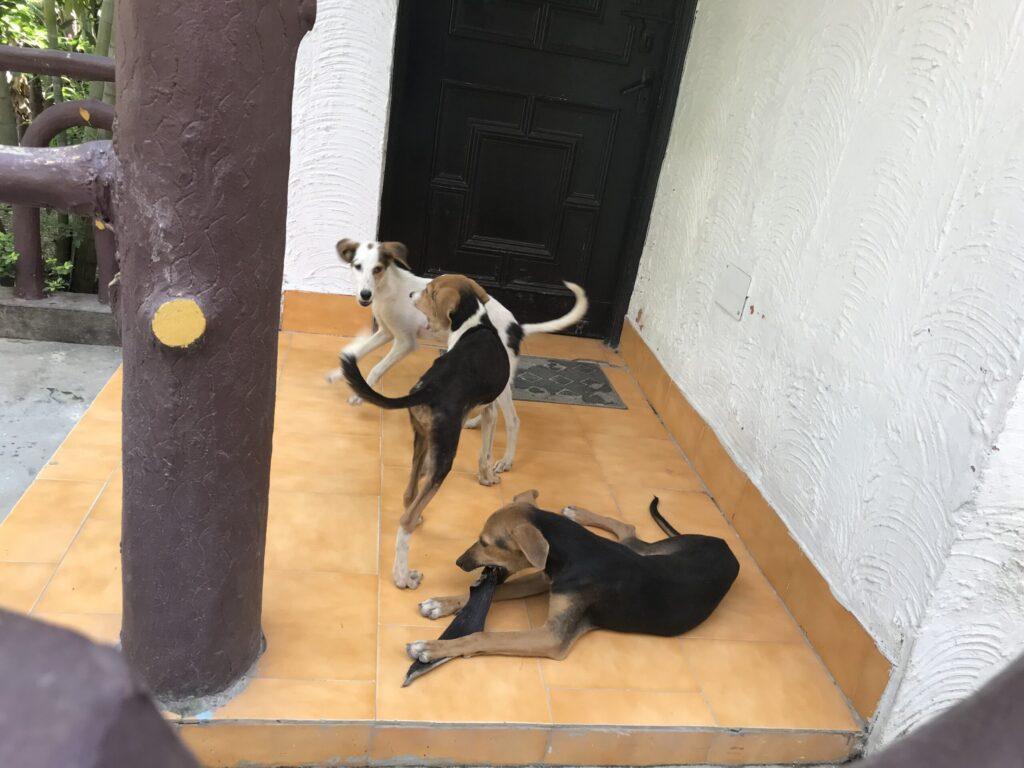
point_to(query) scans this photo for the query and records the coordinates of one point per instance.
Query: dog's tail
(572, 317)
(354, 377)
(664, 524)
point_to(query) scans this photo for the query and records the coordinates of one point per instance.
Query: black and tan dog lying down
(663, 588)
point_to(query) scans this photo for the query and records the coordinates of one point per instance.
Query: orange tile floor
(745, 687)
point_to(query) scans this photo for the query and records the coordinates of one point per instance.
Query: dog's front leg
(403, 576)
(402, 348)
(360, 348)
(527, 586)
(544, 642)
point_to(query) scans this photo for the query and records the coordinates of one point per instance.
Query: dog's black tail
(664, 524)
(355, 379)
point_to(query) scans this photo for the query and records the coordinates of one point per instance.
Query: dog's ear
(532, 543)
(395, 251)
(526, 497)
(446, 301)
(347, 250)
(479, 291)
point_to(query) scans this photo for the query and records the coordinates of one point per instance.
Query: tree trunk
(50, 20)
(8, 119)
(83, 273)
(110, 88)
(103, 46)
(201, 215)
(36, 103)
(62, 243)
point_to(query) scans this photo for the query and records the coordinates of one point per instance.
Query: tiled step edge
(275, 743)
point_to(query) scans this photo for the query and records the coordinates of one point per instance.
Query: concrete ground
(44, 389)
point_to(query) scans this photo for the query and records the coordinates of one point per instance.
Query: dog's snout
(364, 295)
(412, 294)
(466, 562)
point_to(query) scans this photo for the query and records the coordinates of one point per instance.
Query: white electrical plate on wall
(732, 290)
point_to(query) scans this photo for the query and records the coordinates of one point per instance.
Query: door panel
(519, 130)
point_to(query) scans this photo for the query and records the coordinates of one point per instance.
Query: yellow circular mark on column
(178, 323)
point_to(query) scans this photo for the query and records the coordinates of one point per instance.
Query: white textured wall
(974, 623)
(339, 118)
(863, 160)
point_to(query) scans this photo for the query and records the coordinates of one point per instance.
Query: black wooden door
(519, 133)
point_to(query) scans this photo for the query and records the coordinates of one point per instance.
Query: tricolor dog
(663, 588)
(385, 282)
(472, 373)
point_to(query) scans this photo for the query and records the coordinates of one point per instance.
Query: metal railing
(29, 276)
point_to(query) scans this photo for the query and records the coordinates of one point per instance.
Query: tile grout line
(378, 635)
(78, 531)
(700, 684)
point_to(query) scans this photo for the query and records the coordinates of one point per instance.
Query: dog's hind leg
(485, 472)
(419, 452)
(439, 455)
(511, 419)
(622, 531)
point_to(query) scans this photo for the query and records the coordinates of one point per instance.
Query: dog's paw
(473, 423)
(355, 400)
(333, 376)
(431, 609)
(409, 580)
(421, 651)
(503, 465)
(490, 477)
(569, 512)
(438, 607)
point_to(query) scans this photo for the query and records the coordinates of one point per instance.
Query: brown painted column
(204, 92)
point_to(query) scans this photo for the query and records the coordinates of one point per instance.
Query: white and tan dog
(385, 282)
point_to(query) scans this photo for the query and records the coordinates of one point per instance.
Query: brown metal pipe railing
(38, 61)
(76, 179)
(28, 278)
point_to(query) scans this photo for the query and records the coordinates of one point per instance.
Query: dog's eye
(378, 269)
(358, 267)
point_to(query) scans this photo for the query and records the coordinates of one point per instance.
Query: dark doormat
(574, 382)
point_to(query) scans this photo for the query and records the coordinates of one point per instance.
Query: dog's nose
(365, 295)
(412, 294)
(465, 562)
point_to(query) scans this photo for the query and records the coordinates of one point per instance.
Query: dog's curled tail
(664, 524)
(572, 317)
(354, 377)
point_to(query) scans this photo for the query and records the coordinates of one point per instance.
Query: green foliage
(8, 258)
(21, 23)
(56, 274)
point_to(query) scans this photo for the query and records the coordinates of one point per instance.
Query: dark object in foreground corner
(982, 731)
(468, 620)
(66, 702)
